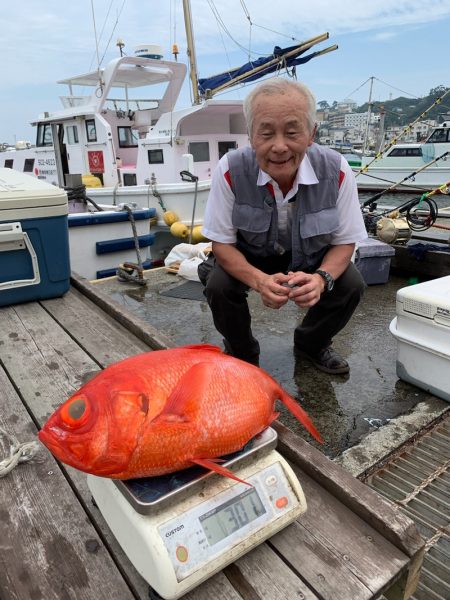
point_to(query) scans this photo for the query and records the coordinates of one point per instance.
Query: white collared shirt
(218, 225)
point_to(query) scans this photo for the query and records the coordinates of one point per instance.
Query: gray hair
(278, 85)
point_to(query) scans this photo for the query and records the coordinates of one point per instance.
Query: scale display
(229, 517)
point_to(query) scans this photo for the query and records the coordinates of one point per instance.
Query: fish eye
(73, 412)
(76, 408)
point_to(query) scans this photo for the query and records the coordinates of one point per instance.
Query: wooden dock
(351, 544)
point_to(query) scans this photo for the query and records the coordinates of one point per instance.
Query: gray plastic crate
(373, 260)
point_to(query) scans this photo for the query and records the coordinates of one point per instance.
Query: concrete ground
(362, 416)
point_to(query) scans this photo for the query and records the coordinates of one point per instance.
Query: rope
(19, 453)
(130, 271)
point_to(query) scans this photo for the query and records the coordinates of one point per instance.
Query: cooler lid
(371, 247)
(433, 293)
(20, 191)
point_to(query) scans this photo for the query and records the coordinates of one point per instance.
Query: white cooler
(422, 330)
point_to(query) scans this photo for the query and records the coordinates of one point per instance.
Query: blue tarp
(216, 81)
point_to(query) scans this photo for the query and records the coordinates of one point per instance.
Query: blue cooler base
(49, 238)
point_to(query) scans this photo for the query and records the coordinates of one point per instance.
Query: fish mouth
(58, 452)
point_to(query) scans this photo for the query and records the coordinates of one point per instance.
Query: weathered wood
(404, 588)
(218, 587)
(47, 366)
(373, 508)
(144, 331)
(48, 548)
(96, 332)
(356, 548)
(268, 576)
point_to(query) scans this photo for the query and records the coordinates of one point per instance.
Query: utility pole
(369, 111)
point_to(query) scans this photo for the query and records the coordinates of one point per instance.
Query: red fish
(163, 411)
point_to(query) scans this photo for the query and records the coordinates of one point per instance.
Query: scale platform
(180, 529)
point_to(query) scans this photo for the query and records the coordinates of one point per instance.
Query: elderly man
(283, 216)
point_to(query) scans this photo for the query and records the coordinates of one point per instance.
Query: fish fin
(191, 393)
(211, 465)
(203, 347)
(300, 414)
(274, 416)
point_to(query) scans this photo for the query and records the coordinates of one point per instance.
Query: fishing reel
(393, 231)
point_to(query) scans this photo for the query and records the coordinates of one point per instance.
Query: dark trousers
(227, 298)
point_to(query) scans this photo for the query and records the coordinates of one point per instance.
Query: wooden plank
(373, 508)
(97, 333)
(47, 366)
(218, 587)
(48, 548)
(30, 342)
(141, 329)
(356, 549)
(264, 572)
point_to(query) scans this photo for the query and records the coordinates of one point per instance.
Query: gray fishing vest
(314, 214)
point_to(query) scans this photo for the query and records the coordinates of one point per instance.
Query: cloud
(382, 36)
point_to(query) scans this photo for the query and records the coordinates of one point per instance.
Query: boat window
(44, 135)
(72, 134)
(225, 147)
(127, 137)
(129, 179)
(155, 157)
(28, 166)
(91, 131)
(438, 136)
(199, 150)
(405, 152)
(9, 163)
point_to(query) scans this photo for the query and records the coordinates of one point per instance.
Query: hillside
(402, 111)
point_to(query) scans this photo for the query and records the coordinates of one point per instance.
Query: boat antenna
(96, 47)
(191, 50)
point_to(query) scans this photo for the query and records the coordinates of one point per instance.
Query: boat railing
(73, 101)
(125, 105)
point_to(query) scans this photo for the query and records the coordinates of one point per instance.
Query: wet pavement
(344, 408)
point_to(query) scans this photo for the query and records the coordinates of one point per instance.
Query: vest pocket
(319, 224)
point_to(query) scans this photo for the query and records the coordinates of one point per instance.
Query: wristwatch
(329, 281)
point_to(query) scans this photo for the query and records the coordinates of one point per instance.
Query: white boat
(421, 166)
(127, 143)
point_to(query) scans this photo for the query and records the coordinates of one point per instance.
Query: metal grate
(418, 480)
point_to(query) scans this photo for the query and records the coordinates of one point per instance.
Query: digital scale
(180, 529)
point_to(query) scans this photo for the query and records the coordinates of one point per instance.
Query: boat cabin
(126, 131)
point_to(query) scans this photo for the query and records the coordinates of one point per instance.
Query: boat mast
(191, 50)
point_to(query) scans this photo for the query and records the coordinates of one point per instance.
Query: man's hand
(274, 290)
(305, 289)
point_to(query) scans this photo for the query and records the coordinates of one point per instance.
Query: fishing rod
(371, 201)
(407, 129)
(419, 213)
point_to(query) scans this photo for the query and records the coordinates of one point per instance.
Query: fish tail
(301, 415)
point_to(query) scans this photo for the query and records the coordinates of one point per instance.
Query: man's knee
(351, 282)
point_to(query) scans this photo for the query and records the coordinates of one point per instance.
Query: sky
(403, 44)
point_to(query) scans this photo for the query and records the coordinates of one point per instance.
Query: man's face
(281, 135)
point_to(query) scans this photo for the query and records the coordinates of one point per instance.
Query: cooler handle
(13, 238)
